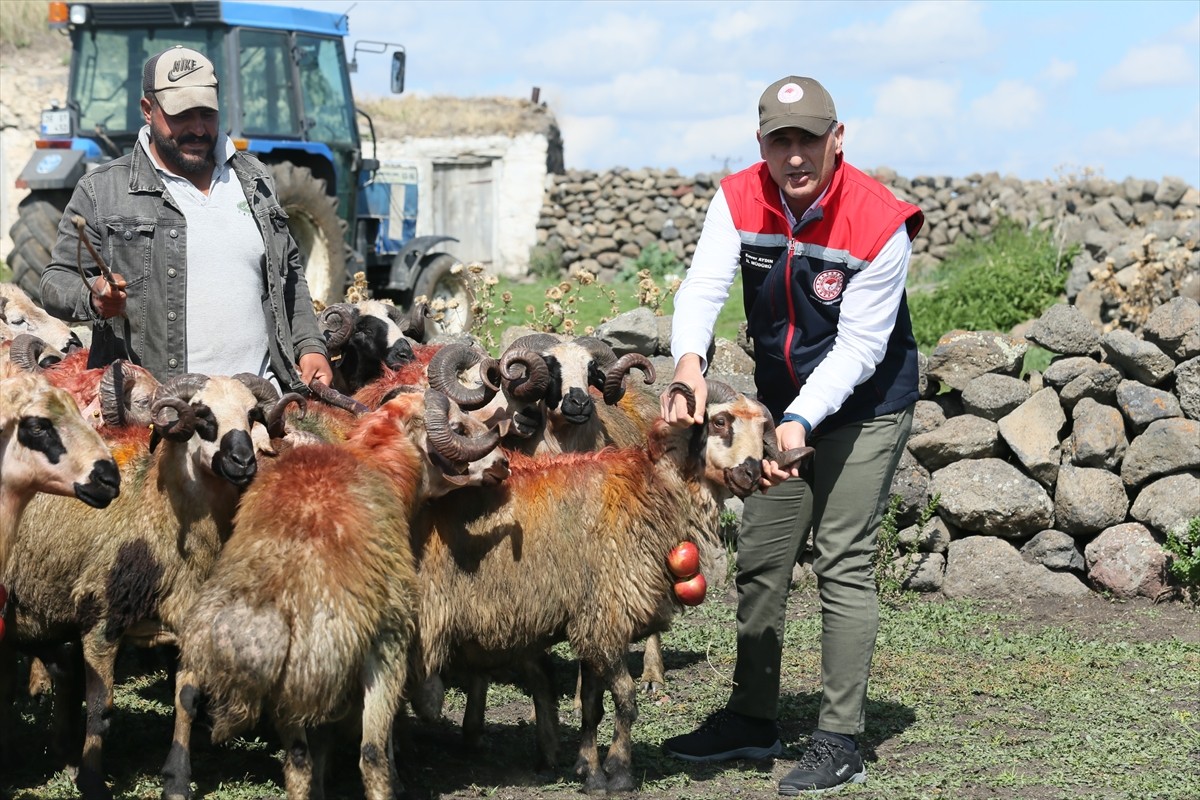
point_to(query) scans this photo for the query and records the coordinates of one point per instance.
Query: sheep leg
(592, 712)
(540, 677)
(297, 762)
(177, 771)
(64, 669)
(620, 754)
(99, 657)
(384, 688)
(653, 678)
(477, 689)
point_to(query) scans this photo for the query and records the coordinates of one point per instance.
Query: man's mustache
(189, 138)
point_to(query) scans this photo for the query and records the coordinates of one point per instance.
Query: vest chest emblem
(829, 284)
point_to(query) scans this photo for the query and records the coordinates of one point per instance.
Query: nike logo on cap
(184, 66)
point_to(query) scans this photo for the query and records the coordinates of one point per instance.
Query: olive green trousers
(843, 498)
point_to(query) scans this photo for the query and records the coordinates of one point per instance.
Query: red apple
(684, 560)
(691, 592)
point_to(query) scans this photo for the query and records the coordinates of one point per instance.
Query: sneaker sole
(796, 791)
(751, 753)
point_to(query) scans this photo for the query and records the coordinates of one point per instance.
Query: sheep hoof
(653, 687)
(620, 782)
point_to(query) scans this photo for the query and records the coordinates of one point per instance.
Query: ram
(19, 314)
(45, 446)
(365, 337)
(573, 547)
(115, 395)
(311, 607)
(131, 573)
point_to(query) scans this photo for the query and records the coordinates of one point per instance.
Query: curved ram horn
(719, 392)
(443, 372)
(112, 393)
(454, 447)
(275, 417)
(614, 379)
(176, 394)
(337, 323)
(26, 351)
(333, 397)
(600, 351)
(689, 397)
(531, 385)
(264, 391)
(412, 323)
(537, 342)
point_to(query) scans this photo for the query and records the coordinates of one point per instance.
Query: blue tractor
(286, 98)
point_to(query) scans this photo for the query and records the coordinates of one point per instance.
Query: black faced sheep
(311, 608)
(132, 572)
(574, 547)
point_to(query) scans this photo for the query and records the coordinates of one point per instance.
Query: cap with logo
(795, 102)
(181, 78)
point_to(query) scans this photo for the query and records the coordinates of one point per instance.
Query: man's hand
(672, 406)
(108, 299)
(314, 366)
(789, 435)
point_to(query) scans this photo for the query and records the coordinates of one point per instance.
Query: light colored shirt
(866, 319)
(225, 324)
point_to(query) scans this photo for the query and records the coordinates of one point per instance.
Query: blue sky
(1031, 89)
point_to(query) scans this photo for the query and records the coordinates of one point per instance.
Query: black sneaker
(825, 766)
(727, 734)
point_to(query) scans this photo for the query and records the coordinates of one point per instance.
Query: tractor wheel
(33, 235)
(317, 229)
(439, 281)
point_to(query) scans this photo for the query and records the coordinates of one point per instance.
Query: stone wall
(1058, 483)
(1141, 238)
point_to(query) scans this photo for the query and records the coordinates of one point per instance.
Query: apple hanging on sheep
(684, 563)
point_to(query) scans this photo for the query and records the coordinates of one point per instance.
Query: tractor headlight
(79, 15)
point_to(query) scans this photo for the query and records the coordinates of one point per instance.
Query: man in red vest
(823, 251)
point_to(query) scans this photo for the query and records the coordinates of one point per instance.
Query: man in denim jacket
(233, 301)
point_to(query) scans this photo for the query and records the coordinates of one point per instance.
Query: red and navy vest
(793, 282)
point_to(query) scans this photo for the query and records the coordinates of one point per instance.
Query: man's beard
(178, 161)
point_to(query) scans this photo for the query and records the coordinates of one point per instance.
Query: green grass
(968, 700)
(585, 306)
(989, 284)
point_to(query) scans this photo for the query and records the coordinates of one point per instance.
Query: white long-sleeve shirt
(868, 309)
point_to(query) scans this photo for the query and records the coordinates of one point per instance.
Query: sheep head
(47, 446)
(213, 418)
(19, 314)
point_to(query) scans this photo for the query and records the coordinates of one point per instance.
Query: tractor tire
(439, 281)
(33, 235)
(318, 230)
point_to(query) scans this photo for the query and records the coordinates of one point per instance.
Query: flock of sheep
(299, 551)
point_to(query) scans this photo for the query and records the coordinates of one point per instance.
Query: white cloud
(1011, 106)
(1151, 66)
(1176, 146)
(659, 92)
(918, 34)
(904, 98)
(1188, 33)
(1059, 71)
(712, 144)
(738, 25)
(613, 44)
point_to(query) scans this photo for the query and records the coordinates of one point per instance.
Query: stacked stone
(602, 221)
(1058, 483)
(1140, 238)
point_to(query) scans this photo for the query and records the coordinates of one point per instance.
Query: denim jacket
(142, 235)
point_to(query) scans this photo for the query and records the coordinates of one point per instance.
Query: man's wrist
(790, 417)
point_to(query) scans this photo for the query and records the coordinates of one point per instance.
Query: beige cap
(180, 79)
(795, 102)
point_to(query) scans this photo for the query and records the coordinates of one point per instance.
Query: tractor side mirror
(397, 72)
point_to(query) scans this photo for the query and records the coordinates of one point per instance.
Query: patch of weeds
(545, 262)
(992, 284)
(659, 263)
(1183, 545)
